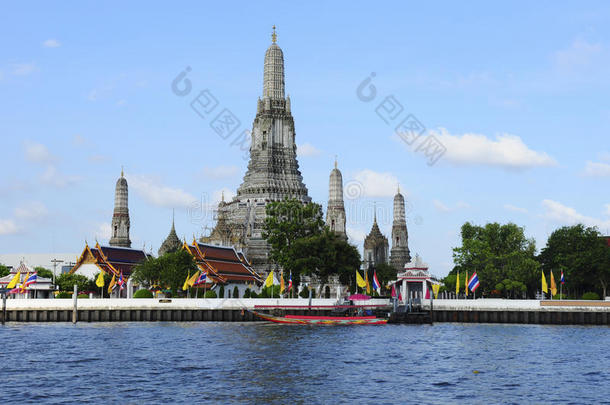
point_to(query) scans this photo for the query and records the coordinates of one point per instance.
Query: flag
(563, 281)
(376, 285)
(269, 280)
(545, 288)
(202, 278)
(185, 286)
(466, 284)
(100, 280)
(282, 286)
(112, 283)
(473, 283)
(393, 294)
(553, 285)
(121, 282)
(14, 280)
(31, 279)
(24, 280)
(193, 279)
(435, 288)
(366, 280)
(457, 284)
(290, 282)
(359, 280)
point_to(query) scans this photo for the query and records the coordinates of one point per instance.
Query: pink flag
(393, 291)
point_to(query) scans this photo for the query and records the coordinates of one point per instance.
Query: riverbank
(234, 310)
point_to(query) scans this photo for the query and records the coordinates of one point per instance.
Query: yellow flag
(191, 281)
(359, 280)
(435, 288)
(457, 284)
(269, 280)
(545, 288)
(366, 280)
(14, 280)
(282, 286)
(27, 275)
(100, 280)
(112, 283)
(553, 285)
(185, 286)
(466, 284)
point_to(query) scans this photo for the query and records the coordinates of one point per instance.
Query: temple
(400, 254)
(109, 259)
(225, 267)
(335, 211)
(171, 243)
(120, 217)
(375, 247)
(42, 288)
(412, 282)
(273, 171)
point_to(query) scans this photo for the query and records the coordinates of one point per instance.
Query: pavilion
(42, 288)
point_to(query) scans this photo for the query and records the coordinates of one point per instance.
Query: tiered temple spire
(335, 211)
(400, 254)
(120, 217)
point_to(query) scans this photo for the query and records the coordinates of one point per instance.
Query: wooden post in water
(74, 299)
(3, 308)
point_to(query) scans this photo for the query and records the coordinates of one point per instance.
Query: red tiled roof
(224, 263)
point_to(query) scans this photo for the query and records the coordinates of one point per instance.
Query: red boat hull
(322, 320)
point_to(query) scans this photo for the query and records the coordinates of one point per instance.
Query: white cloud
(578, 55)
(122, 102)
(440, 206)
(79, 140)
(367, 183)
(513, 208)
(604, 156)
(307, 149)
(98, 158)
(8, 227)
(38, 153)
(55, 178)
(356, 236)
(607, 209)
(507, 151)
(104, 231)
(51, 43)
(24, 69)
(595, 169)
(557, 212)
(158, 194)
(220, 172)
(32, 210)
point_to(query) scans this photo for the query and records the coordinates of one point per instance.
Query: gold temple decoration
(274, 35)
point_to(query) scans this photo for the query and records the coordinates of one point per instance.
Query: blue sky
(516, 93)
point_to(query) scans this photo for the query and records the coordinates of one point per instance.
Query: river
(269, 363)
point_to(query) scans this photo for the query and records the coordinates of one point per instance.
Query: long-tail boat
(322, 320)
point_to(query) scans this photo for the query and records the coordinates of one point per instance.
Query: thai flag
(563, 281)
(376, 284)
(202, 278)
(473, 283)
(290, 282)
(121, 282)
(31, 280)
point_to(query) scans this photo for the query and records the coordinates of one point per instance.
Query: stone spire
(273, 170)
(400, 254)
(335, 211)
(375, 246)
(273, 78)
(120, 218)
(171, 243)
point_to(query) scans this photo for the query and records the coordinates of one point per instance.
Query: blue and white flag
(202, 278)
(473, 283)
(563, 281)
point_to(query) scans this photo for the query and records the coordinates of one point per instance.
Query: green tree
(170, 270)
(43, 272)
(302, 244)
(497, 252)
(583, 255)
(4, 270)
(66, 281)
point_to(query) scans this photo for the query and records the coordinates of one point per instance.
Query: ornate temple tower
(171, 243)
(335, 211)
(273, 171)
(375, 247)
(120, 218)
(400, 254)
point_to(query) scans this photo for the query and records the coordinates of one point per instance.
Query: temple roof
(171, 244)
(223, 263)
(375, 237)
(111, 259)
